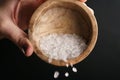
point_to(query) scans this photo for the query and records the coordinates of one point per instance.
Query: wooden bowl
(55, 16)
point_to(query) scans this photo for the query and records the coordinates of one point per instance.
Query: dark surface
(102, 64)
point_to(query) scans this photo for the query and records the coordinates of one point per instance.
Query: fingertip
(26, 46)
(29, 51)
(83, 0)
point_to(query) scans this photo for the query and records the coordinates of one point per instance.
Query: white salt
(74, 69)
(49, 60)
(67, 65)
(66, 74)
(71, 64)
(62, 46)
(56, 74)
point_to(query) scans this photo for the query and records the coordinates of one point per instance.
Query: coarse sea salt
(62, 46)
(56, 74)
(74, 69)
(66, 74)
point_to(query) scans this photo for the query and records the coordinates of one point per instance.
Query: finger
(19, 37)
(24, 11)
(1, 36)
(83, 0)
(91, 10)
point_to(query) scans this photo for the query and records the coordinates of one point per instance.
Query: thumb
(18, 36)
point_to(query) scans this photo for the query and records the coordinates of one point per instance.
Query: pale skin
(14, 20)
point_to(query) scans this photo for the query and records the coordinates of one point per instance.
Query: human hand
(14, 20)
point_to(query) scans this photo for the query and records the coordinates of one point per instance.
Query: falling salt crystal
(74, 69)
(66, 74)
(50, 60)
(56, 74)
(71, 64)
(67, 65)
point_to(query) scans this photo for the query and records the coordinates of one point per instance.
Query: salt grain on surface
(61, 46)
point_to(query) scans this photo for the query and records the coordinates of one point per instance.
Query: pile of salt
(61, 46)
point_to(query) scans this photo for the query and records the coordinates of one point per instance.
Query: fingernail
(24, 50)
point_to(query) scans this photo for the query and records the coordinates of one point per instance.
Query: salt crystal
(66, 74)
(71, 64)
(49, 60)
(67, 65)
(56, 74)
(74, 69)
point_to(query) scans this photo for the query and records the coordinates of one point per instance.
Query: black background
(103, 62)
